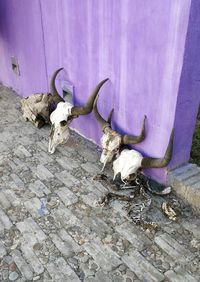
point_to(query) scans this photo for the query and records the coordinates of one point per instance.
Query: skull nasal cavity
(63, 123)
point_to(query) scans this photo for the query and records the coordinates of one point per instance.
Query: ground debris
(168, 211)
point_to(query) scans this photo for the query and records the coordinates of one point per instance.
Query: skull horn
(53, 90)
(162, 162)
(131, 139)
(103, 123)
(76, 111)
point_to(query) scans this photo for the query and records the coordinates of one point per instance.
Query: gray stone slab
(65, 244)
(136, 238)
(2, 250)
(67, 197)
(36, 207)
(31, 258)
(179, 277)
(31, 228)
(22, 265)
(142, 268)
(103, 255)
(67, 163)
(67, 179)
(43, 173)
(39, 188)
(4, 202)
(173, 248)
(5, 221)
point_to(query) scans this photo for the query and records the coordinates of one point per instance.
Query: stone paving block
(183, 276)
(138, 239)
(31, 258)
(67, 163)
(60, 271)
(69, 274)
(141, 267)
(173, 248)
(192, 227)
(13, 198)
(43, 158)
(67, 178)
(2, 250)
(22, 265)
(43, 173)
(193, 180)
(31, 228)
(65, 217)
(90, 168)
(39, 188)
(36, 207)
(103, 255)
(21, 151)
(4, 202)
(4, 220)
(67, 197)
(188, 174)
(19, 183)
(65, 244)
(183, 169)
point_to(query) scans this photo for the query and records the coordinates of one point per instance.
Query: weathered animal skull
(62, 116)
(38, 107)
(59, 118)
(111, 140)
(127, 164)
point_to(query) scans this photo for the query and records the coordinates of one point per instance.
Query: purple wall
(138, 44)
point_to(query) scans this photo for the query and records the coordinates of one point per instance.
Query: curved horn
(162, 162)
(76, 111)
(103, 123)
(53, 90)
(131, 139)
(109, 120)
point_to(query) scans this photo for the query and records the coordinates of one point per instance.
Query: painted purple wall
(140, 46)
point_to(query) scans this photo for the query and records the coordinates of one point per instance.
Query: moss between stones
(195, 152)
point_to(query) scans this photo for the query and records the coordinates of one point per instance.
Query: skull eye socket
(63, 123)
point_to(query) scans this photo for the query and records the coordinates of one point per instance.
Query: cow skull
(127, 161)
(127, 164)
(38, 107)
(111, 140)
(62, 116)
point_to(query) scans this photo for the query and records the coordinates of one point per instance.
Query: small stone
(13, 276)
(5, 273)
(122, 267)
(8, 259)
(36, 278)
(12, 266)
(166, 265)
(129, 280)
(94, 266)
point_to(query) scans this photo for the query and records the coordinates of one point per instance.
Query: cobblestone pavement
(51, 230)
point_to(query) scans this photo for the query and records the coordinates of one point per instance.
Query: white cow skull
(127, 164)
(64, 114)
(127, 161)
(111, 140)
(59, 125)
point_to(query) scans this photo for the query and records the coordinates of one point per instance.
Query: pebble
(36, 278)
(8, 259)
(13, 276)
(122, 267)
